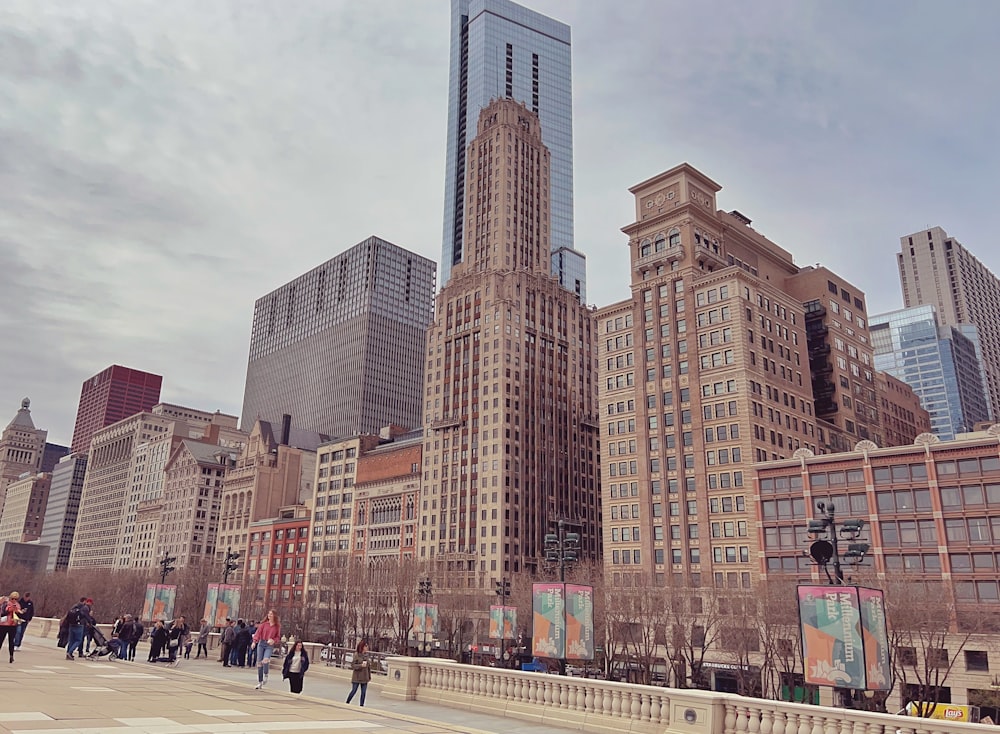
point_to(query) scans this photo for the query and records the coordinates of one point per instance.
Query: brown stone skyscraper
(110, 396)
(510, 401)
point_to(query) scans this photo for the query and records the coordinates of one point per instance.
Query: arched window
(661, 242)
(645, 248)
(674, 236)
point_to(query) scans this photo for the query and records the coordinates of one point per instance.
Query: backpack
(75, 615)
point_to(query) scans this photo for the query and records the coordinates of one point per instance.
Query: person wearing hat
(27, 614)
(10, 610)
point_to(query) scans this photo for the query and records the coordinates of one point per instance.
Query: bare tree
(696, 621)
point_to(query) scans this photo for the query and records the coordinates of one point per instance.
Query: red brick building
(276, 565)
(110, 396)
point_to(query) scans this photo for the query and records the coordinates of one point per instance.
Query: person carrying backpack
(79, 620)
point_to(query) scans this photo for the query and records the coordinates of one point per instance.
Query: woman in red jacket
(266, 638)
(10, 608)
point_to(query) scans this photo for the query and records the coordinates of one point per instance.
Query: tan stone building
(511, 444)
(706, 370)
(938, 270)
(124, 471)
(275, 469)
(21, 448)
(24, 509)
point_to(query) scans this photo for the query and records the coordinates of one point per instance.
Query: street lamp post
(503, 591)
(825, 546)
(562, 549)
(166, 568)
(230, 564)
(424, 592)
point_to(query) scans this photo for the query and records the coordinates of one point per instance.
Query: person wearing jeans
(27, 612)
(362, 672)
(267, 636)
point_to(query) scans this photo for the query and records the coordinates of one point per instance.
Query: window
(977, 660)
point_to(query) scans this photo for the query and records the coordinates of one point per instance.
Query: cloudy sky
(163, 164)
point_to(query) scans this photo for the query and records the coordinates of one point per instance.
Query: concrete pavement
(43, 693)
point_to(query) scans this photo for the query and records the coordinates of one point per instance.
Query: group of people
(15, 614)
(243, 645)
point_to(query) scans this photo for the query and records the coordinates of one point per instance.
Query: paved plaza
(44, 693)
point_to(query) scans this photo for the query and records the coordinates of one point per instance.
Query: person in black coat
(158, 639)
(27, 612)
(295, 666)
(135, 638)
(243, 639)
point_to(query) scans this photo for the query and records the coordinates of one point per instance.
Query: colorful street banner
(579, 622)
(833, 652)
(878, 667)
(159, 602)
(222, 602)
(211, 602)
(548, 609)
(503, 622)
(425, 620)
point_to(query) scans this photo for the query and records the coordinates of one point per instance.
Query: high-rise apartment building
(24, 508)
(707, 369)
(936, 270)
(22, 447)
(125, 468)
(511, 444)
(501, 50)
(941, 363)
(340, 348)
(110, 396)
(61, 510)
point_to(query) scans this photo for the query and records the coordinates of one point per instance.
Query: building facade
(22, 447)
(339, 349)
(511, 445)
(707, 369)
(936, 270)
(941, 363)
(276, 565)
(110, 396)
(275, 469)
(903, 417)
(24, 508)
(501, 50)
(61, 510)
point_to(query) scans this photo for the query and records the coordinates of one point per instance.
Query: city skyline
(164, 165)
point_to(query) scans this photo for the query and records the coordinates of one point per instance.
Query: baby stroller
(111, 649)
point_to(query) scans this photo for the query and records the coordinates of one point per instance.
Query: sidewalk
(43, 693)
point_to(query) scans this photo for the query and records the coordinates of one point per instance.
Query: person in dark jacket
(176, 637)
(361, 668)
(295, 666)
(27, 612)
(228, 638)
(134, 638)
(79, 620)
(158, 639)
(243, 638)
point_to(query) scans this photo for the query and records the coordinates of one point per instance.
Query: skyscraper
(939, 362)
(936, 270)
(110, 396)
(707, 369)
(22, 448)
(510, 447)
(340, 349)
(501, 50)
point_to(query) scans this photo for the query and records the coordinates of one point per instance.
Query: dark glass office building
(341, 348)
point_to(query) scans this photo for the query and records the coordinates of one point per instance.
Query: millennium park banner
(844, 637)
(563, 621)
(159, 602)
(222, 602)
(425, 620)
(503, 622)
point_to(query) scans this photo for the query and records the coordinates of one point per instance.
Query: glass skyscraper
(941, 363)
(502, 50)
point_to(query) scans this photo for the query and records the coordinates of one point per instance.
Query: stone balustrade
(590, 705)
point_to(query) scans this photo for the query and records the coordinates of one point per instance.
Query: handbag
(174, 643)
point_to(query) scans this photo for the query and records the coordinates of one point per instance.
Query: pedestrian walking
(133, 641)
(88, 632)
(158, 639)
(361, 672)
(228, 638)
(295, 666)
(79, 620)
(267, 636)
(10, 609)
(27, 614)
(203, 632)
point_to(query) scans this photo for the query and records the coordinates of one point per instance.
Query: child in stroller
(112, 649)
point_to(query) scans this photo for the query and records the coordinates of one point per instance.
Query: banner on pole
(159, 602)
(549, 620)
(579, 622)
(833, 640)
